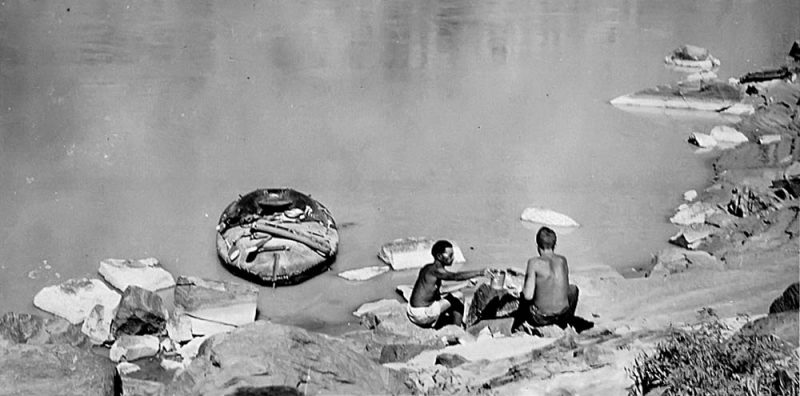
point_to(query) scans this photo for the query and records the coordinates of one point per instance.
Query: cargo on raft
(277, 236)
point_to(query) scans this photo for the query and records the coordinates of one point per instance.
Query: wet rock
(54, 369)
(75, 298)
(97, 325)
(263, 353)
(547, 217)
(413, 252)
(145, 273)
(450, 360)
(140, 312)
(132, 347)
(788, 301)
(227, 303)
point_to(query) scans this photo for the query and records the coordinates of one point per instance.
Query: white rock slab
(97, 325)
(125, 368)
(133, 347)
(692, 214)
(413, 252)
(384, 306)
(169, 364)
(75, 298)
(228, 303)
(201, 327)
(702, 140)
(690, 238)
(724, 133)
(146, 273)
(362, 274)
(768, 139)
(690, 195)
(547, 217)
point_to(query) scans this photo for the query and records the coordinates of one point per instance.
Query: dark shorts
(531, 315)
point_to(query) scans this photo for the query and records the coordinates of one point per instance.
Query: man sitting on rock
(547, 297)
(427, 307)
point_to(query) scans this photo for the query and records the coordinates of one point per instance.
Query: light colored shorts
(426, 316)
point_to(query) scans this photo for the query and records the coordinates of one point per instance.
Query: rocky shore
(736, 256)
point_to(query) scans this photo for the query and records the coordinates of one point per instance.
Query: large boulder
(146, 273)
(788, 301)
(75, 298)
(54, 369)
(265, 354)
(140, 312)
(413, 252)
(227, 303)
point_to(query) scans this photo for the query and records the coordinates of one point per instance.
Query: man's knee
(572, 295)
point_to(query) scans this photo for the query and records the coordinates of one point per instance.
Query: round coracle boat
(277, 236)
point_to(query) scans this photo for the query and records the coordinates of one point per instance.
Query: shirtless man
(427, 308)
(547, 298)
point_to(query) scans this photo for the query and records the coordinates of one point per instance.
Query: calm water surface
(127, 127)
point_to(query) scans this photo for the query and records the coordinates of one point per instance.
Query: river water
(128, 126)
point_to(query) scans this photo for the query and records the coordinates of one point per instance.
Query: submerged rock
(75, 298)
(146, 273)
(365, 273)
(547, 217)
(413, 252)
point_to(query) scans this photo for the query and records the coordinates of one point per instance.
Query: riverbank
(738, 251)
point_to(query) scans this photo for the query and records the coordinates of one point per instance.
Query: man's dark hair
(546, 238)
(439, 247)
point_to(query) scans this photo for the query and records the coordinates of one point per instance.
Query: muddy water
(128, 126)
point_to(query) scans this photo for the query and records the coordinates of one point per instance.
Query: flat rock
(140, 312)
(146, 273)
(362, 274)
(694, 213)
(54, 369)
(229, 303)
(413, 252)
(547, 217)
(132, 347)
(690, 238)
(724, 133)
(75, 298)
(266, 354)
(380, 308)
(202, 327)
(769, 139)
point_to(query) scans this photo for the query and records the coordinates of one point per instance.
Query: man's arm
(529, 287)
(460, 276)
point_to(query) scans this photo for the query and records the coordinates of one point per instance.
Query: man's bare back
(551, 280)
